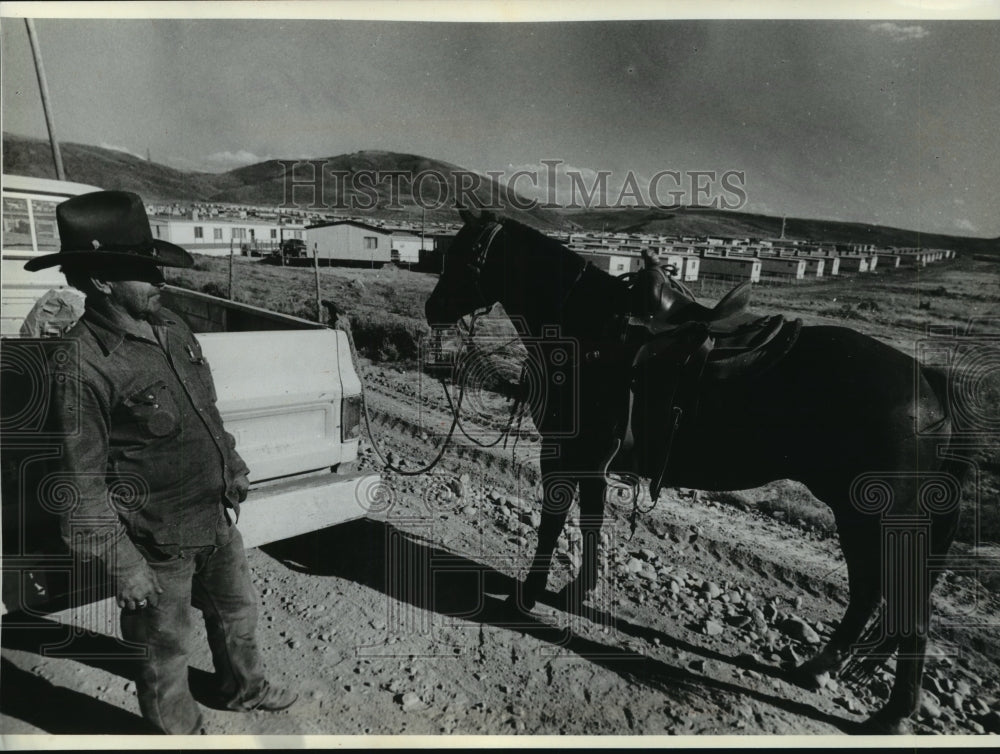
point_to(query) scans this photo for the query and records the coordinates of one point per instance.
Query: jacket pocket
(153, 412)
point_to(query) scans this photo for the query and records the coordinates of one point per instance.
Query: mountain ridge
(265, 184)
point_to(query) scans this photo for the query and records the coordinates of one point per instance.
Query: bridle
(479, 252)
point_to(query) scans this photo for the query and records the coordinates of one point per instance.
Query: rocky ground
(396, 624)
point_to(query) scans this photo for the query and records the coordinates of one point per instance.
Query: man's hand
(139, 588)
(242, 484)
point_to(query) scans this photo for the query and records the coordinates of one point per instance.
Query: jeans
(216, 580)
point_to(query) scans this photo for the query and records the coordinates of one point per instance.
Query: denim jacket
(147, 466)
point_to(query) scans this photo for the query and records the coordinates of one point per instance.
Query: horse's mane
(551, 245)
(537, 236)
(602, 291)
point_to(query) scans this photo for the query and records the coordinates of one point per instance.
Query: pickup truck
(293, 248)
(288, 391)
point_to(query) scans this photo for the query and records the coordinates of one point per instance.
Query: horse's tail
(954, 468)
(939, 380)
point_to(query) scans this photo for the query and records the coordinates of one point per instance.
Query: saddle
(672, 346)
(659, 302)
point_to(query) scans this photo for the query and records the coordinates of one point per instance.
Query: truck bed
(281, 382)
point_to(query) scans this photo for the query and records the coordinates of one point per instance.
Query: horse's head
(464, 283)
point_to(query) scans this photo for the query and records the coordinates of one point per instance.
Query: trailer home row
(713, 259)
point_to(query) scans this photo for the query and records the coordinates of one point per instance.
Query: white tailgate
(279, 396)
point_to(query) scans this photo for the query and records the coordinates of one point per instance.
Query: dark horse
(838, 413)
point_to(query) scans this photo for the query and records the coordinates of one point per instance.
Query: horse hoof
(884, 725)
(808, 677)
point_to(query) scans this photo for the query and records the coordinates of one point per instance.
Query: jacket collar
(111, 328)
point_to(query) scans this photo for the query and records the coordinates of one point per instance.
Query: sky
(891, 122)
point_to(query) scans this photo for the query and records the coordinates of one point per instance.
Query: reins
(378, 451)
(519, 403)
(455, 407)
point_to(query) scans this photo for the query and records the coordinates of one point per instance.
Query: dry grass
(385, 307)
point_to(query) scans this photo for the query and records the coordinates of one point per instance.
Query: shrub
(868, 305)
(383, 336)
(846, 311)
(303, 311)
(214, 289)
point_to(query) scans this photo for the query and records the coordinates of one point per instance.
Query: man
(157, 480)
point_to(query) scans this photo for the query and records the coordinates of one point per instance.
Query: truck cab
(288, 391)
(293, 248)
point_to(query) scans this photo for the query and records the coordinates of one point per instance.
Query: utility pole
(43, 89)
(319, 305)
(281, 238)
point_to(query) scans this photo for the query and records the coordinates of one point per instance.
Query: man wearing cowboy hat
(156, 480)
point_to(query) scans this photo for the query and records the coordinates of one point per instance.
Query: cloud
(233, 159)
(899, 33)
(116, 148)
(966, 225)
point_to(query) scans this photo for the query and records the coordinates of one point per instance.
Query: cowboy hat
(106, 227)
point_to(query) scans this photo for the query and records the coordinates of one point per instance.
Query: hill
(347, 181)
(107, 168)
(344, 180)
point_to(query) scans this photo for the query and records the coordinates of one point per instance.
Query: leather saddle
(660, 302)
(672, 346)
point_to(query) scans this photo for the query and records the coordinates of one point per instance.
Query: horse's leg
(871, 559)
(860, 542)
(905, 696)
(592, 491)
(908, 608)
(911, 608)
(557, 495)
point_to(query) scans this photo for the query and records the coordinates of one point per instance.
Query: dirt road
(396, 623)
